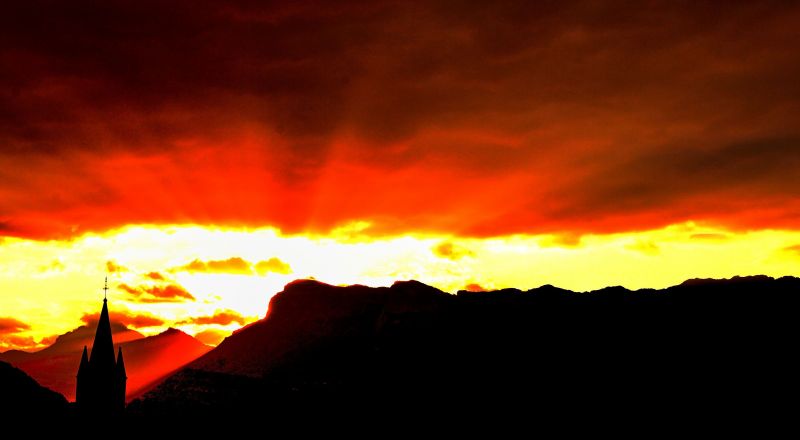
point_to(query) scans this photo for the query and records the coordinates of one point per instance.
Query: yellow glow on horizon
(51, 284)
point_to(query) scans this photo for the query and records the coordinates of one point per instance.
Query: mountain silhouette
(147, 359)
(151, 359)
(22, 397)
(70, 342)
(702, 348)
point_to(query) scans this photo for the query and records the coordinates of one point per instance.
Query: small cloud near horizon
(475, 287)
(566, 239)
(155, 276)
(709, 236)
(155, 294)
(794, 249)
(54, 266)
(646, 247)
(24, 343)
(236, 266)
(274, 265)
(451, 251)
(113, 267)
(223, 317)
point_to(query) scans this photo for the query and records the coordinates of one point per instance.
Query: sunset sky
(203, 154)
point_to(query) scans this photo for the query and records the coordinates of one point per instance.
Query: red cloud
(12, 325)
(221, 318)
(128, 319)
(510, 118)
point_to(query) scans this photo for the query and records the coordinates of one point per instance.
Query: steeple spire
(101, 376)
(103, 348)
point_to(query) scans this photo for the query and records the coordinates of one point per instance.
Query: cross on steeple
(105, 290)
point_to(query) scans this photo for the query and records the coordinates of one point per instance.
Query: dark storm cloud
(760, 168)
(512, 116)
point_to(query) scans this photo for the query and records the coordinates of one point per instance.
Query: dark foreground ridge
(703, 349)
(21, 396)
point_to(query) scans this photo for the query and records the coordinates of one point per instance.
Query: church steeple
(103, 347)
(101, 377)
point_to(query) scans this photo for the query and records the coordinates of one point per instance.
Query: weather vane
(105, 289)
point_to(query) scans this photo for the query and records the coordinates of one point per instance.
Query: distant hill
(71, 342)
(147, 359)
(546, 354)
(21, 396)
(153, 358)
(55, 366)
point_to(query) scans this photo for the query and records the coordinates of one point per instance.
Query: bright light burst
(203, 278)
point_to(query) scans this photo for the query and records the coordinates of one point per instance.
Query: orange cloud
(451, 251)
(131, 290)
(112, 267)
(565, 239)
(233, 265)
(12, 325)
(274, 264)
(224, 317)
(155, 294)
(169, 292)
(128, 319)
(795, 249)
(54, 266)
(16, 342)
(155, 276)
(644, 246)
(236, 265)
(474, 288)
(709, 236)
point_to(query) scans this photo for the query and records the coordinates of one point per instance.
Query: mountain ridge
(353, 349)
(147, 359)
(23, 397)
